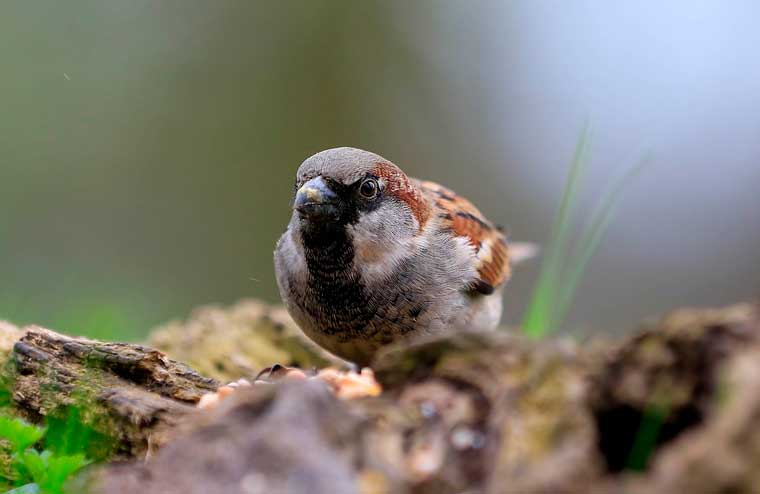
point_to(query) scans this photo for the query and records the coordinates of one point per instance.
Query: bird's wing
(490, 251)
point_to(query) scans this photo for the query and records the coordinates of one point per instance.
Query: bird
(372, 257)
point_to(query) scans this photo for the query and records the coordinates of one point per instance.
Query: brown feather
(491, 254)
(398, 185)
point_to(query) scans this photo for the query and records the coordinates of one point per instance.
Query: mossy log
(228, 343)
(133, 394)
(692, 383)
(497, 414)
(672, 408)
(130, 394)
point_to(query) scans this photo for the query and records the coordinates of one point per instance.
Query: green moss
(230, 343)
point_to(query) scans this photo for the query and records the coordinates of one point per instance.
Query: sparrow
(372, 257)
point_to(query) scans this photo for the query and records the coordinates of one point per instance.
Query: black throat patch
(336, 296)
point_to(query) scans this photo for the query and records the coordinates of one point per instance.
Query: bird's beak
(316, 200)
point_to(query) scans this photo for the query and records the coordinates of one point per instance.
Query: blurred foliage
(540, 315)
(148, 149)
(45, 470)
(565, 261)
(645, 441)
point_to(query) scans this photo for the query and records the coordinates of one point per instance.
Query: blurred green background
(148, 148)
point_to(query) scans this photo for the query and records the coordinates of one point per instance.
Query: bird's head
(355, 191)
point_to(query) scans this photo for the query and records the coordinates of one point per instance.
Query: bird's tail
(519, 252)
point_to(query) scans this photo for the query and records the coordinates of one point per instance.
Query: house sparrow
(372, 257)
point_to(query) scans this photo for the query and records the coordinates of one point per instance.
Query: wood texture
(129, 393)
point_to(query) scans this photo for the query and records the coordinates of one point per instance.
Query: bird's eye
(369, 188)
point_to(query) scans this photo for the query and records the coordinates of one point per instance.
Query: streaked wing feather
(490, 250)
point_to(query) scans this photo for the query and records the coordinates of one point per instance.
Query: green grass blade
(646, 437)
(591, 237)
(538, 315)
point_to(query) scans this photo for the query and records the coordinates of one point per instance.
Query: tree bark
(129, 393)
